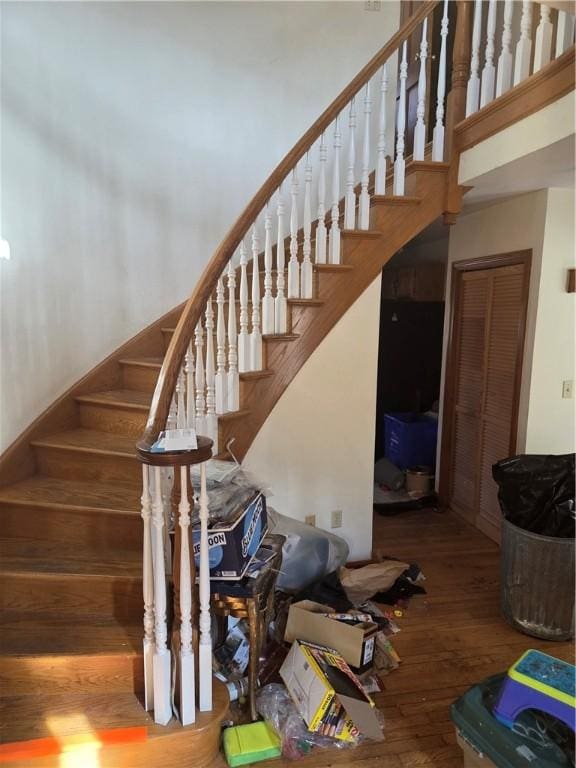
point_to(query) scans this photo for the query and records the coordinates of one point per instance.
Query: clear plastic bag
(308, 553)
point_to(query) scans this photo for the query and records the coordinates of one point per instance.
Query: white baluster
(221, 380)
(256, 335)
(543, 39)
(504, 74)
(399, 164)
(564, 32)
(438, 134)
(167, 477)
(293, 265)
(268, 299)
(280, 304)
(187, 683)
(420, 129)
(524, 47)
(320, 245)
(306, 267)
(211, 418)
(190, 389)
(473, 90)
(180, 400)
(200, 381)
(205, 649)
(161, 662)
(148, 592)
(364, 206)
(381, 158)
(233, 397)
(334, 236)
(350, 197)
(243, 336)
(489, 71)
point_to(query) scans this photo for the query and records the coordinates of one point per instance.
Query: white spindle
(293, 265)
(268, 299)
(280, 304)
(438, 134)
(364, 206)
(543, 39)
(504, 73)
(320, 245)
(564, 32)
(381, 158)
(256, 335)
(221, 376)
(306, 267)
(190, 389)
(334, 236)
(473, 90)
(211, 418)
(350, 197)
(243, 336)
(524, 46)
(399, 164)
(205, 645)
(233, 396)
(181, 400)
(200, 381)
(161, 662)
(186, 682)
(489, 71)
(420, 129)
(147, 592)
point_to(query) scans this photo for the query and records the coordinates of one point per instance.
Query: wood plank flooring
(451, 638)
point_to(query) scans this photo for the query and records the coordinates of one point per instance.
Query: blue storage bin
(410, 439)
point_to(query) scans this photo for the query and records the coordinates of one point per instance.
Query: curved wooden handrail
(166, 383)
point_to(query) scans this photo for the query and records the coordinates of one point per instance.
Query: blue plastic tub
(410, 439)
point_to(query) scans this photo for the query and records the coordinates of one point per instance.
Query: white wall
(132, 136)
(316, 450)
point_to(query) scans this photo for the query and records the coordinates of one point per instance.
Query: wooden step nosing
(111, 404)
(306, 302)
(47, 443)
(333, 267)
(72, 575)
(273, 337)
(255, 375)
(371, 234)
(232, 415)
(63, 507)
(395, 200)
(134, 362)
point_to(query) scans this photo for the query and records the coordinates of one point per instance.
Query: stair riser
(21, 676)
(88, 532)
(117, 420)
(142, 379)
(73, 596)
(85, 465)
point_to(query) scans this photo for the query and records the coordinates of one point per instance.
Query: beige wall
(133, 134)
(542, 222)
(316, 450)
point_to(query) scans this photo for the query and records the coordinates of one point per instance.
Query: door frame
(458, 269)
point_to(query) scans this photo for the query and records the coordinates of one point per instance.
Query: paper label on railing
(176, 440)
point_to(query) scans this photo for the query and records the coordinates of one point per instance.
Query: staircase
(71, 653)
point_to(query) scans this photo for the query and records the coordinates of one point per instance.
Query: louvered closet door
(489, 327)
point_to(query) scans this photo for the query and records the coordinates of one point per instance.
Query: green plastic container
(485, 742)
(250, 743)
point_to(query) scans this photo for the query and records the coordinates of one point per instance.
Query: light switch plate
(568, 389)
(310, 520)
(336, 518)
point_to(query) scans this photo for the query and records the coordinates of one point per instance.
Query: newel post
(456, 103)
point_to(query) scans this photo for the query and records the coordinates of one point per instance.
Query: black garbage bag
(536, 493)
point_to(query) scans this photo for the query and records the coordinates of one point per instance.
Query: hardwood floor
(451, 638)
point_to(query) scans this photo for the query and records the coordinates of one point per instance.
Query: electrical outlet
(336, 518)
(568, 389)
(310, 520)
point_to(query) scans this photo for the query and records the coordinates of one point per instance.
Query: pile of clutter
(329, 638)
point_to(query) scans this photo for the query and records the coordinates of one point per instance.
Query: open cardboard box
(327, 694)
(355, 642)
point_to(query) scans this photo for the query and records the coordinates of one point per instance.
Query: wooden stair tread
(305, 302)
(251, 375)
(359, 233)
(333, 267)
(124, 398)
(90, 441)
(273, 337)
(144, 362)
(45, 491)
(395, 200)
(231, 415)
(45, 558)
(23, 635)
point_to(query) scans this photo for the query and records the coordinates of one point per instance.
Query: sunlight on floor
(79, 745)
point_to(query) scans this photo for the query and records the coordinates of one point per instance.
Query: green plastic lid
(250, 743)
(535, 742)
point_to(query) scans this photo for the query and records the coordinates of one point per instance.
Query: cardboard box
(355, 642)
(232, 544)
(327, 694)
